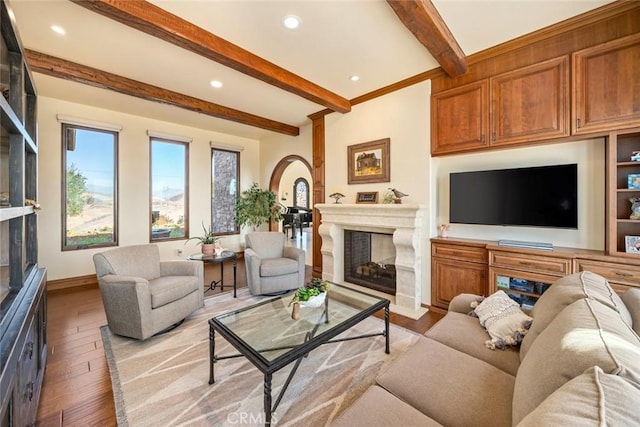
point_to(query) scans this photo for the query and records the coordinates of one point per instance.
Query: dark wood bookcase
(23, 338)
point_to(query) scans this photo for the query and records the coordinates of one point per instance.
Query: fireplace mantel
(407, 223)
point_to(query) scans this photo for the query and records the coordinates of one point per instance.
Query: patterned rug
(164, 380)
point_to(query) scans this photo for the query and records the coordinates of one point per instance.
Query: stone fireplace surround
(407, 224)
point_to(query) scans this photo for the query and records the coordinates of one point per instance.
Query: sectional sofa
(578, 364)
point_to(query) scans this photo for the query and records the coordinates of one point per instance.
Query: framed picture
(633, 181)
(369, 162)
(632, 244)
(367, 197)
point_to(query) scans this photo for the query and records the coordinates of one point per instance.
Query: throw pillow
(503, 319)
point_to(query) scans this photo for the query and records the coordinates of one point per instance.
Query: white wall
(133, 170)
(589, 155)
(276, 147)
(402, 116)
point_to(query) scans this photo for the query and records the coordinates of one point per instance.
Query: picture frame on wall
(369, 162)
(367, 197)
(632, 244)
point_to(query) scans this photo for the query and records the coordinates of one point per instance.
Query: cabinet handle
(524, 263)
(493, 136)
(578, 123)
(623, 274)
(482, 138)
(28, 350)
(456, 253)
(28, 393)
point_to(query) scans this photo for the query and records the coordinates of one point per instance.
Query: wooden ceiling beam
(61, 68)
(423, 20)
(157, 22)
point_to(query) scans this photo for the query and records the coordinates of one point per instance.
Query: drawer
(528, 262)
(461, 252)
(622, 274)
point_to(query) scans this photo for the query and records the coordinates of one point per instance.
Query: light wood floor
(77, 388)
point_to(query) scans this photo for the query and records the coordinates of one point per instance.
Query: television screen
(545, 196)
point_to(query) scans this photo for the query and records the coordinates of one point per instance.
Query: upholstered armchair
(271, 266)
(143, 295)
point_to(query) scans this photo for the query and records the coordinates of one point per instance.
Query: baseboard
(72, 282)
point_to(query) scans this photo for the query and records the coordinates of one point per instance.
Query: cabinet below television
(524, 274)
(458, 265)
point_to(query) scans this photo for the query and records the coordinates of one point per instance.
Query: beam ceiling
(423, 20)
(157, 22)
(56, 67)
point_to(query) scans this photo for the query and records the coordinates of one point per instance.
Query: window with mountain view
(89, 196)
(169, 190)
(225, 185)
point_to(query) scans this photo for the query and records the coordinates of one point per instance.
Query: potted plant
(256, 206)
(207, 240)
(311, 295)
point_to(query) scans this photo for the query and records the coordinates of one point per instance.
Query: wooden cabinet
(606, 86)
(23, 340)
(621, 275)
(460, 119)
(520, 106)
(457, 267)
(525, 274)
(530, 103)
(620, 147)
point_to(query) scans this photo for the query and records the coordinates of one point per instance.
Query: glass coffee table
(257, 332)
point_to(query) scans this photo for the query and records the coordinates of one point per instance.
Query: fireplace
(404, 226)
(369, 260)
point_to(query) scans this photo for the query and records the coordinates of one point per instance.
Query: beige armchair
(271, 266)
(142, 295)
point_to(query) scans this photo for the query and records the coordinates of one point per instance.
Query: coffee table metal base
(270, 408)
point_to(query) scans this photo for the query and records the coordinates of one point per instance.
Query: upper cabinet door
(459, 119)
(606, 86)
(531, 103)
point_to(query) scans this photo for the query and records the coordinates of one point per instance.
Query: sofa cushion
(278, 267)
(504, 321)
(584, 334)
(591, 399)
(564, 292)
(631, 300)
(167, 289)
(377, 407)
(464, 333)
(450, 386)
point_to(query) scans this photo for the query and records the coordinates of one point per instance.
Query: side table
(219, 258)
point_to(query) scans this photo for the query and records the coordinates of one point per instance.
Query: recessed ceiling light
(216, 83)
(58, 29)
(354, 78)
(291, 22)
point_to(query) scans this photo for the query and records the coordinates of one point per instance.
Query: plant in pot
(256, 206)
(207, 240)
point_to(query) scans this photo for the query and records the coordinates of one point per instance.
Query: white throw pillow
(504, 321)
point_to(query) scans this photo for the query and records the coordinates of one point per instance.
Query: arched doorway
(276, 176)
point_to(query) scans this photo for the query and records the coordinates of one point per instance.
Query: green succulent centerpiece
(314, 288)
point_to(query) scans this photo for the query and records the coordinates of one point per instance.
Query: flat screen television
(544, 196)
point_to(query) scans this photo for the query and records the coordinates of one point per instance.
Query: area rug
(164, 380)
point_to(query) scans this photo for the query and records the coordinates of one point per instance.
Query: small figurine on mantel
(635, 208)
(397, 195)
(336, 197)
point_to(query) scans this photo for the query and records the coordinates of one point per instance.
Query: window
(225, 186)
(169, 189)
(301, 191)
(89, 197)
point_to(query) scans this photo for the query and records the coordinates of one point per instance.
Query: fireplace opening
(369, 260)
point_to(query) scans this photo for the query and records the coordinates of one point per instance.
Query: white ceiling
(337, 38)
